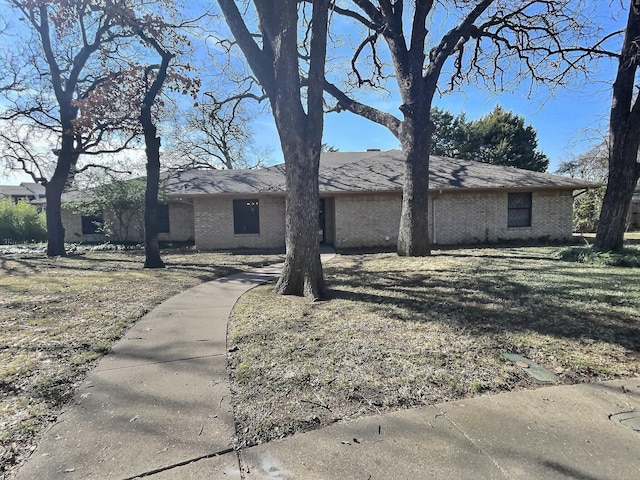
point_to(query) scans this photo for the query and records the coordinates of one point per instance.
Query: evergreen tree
(447, 133)
(499, 138)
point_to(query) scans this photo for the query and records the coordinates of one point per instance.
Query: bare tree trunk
(55, 229)
(54, 188)
(151, 244)
(302, 271)
(152, 149)
(413, 234)
(301, 140)
(624, 140)
(276, 65)
(623, 178)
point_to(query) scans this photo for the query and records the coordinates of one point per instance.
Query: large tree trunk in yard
(624, 140)
(623, 178)
(302, 271)
(152, 149)
(413, 234)
(53, 192)
(151, 244)
(55, 229)
(301, 138)
(276, 64)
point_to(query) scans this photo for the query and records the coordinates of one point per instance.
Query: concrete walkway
(158, 400)
(158, 407)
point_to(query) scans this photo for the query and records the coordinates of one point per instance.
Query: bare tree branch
(368, 112)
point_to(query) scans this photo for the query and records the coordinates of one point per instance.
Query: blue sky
(567, 122)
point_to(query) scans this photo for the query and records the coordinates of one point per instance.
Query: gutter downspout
(433, 213)
(435, 241)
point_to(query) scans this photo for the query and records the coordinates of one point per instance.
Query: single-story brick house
(361, 195)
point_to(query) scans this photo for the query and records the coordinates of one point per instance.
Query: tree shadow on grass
(516, 296)
(81, 263)
(22, 264)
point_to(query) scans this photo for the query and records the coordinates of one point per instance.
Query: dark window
(162, 218)
(246, 216)
(519, 209)
(91, 224)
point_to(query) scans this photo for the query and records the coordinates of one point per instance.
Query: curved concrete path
(158, 407)
(159, 400)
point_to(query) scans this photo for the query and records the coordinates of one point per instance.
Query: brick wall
(72, 223)
(372, 220)
(181, 226)
(213, 219)
(482, 217)
(360, 220)
(367, 220)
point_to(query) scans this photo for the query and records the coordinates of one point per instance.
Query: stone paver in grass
(531, 368)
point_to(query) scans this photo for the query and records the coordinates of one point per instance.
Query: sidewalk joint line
(180, 464)
(475, 445)
(160, 362)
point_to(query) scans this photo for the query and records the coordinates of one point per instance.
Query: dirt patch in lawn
(402, 332)
(58, 316)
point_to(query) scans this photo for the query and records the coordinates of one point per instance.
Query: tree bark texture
(67, 159)
(152, 257)
(152, 149)
(413, 234)
(276, 65)
(624, 141)
(302, 272)
(55, 229)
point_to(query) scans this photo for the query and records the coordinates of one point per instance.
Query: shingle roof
(25, 189)
(370, 171)
(203, 182)
(15, 190)
(36, 188)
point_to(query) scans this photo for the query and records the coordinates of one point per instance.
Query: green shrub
(21, 223)
(586, 210)
(627, 257)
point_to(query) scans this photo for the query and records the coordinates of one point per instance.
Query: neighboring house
(25, 191)
(360, 204)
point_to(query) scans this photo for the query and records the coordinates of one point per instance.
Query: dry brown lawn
(57, 316)
(393, 332)
(401, 332)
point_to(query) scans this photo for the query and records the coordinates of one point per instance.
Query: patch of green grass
(627, 257)
(397, 332)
